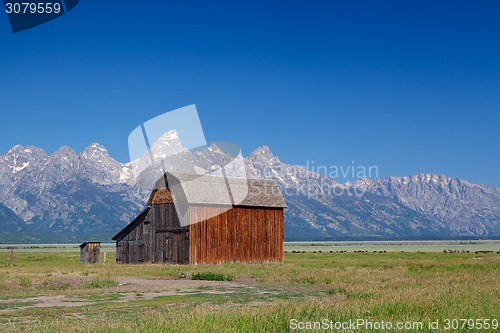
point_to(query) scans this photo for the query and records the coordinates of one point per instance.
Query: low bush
(211, 276)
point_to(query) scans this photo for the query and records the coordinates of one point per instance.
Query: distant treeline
(36, 238)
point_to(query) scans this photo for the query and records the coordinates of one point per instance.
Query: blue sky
(409, 87)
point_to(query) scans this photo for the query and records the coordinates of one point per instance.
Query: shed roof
(215, 190)
(83, 245)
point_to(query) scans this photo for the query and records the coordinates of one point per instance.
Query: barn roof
(132, 224)
(214, 190)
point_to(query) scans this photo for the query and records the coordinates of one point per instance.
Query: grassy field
(396, 246)
(43, 290)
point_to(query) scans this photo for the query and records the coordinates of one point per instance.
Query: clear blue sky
(408, 86)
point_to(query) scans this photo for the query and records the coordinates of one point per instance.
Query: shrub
(211, 276)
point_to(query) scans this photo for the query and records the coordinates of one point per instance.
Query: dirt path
(129, 289)
(126, 283)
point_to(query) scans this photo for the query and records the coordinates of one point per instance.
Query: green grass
(15, 305)
(25, 281)
(311, 286)
(334, 291)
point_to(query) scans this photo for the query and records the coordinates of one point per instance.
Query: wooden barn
(212, 229)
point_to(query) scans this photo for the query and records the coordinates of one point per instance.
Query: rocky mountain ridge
(422, 205)
(90, 192)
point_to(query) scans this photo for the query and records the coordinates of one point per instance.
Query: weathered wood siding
(134, 246)
(155, 237)
(241, 234)
(90, 253)
(171, 242)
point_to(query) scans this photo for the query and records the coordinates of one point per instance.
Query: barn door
(141, 252)
(183, 247)
(169, 253)
(135, 251)
(176, 247)
(125, 254)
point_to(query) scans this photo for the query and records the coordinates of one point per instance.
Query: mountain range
(91, 193)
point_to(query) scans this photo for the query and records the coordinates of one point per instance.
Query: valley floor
(51, 291)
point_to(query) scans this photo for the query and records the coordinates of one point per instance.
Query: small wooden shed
(217, 229)
(90, 252)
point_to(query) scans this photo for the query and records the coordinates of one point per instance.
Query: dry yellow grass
(307, 287)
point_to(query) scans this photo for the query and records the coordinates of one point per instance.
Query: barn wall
(155, 237)
(170, 242)
(241, 234)
(134, 246)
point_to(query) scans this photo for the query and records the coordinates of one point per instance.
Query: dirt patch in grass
(129, 283)
(130, 289)
(246, 279)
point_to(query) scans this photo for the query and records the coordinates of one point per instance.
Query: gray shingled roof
(213, 190)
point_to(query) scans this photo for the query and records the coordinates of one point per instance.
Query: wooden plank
(261, 231)
(203, 238)
(215, 233)
(209, 231)
(234, 233)
(153, 234)
(220, 238)
(269, 235)
(195, 240)
(282, 234)
(198, 239)
(192, 237)
(200, 235)
(190, 245)
(208, 238)
(246, 245)
(226, 236)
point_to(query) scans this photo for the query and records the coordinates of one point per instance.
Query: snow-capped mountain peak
(169, 136)
(95, 151)
(67, 192)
